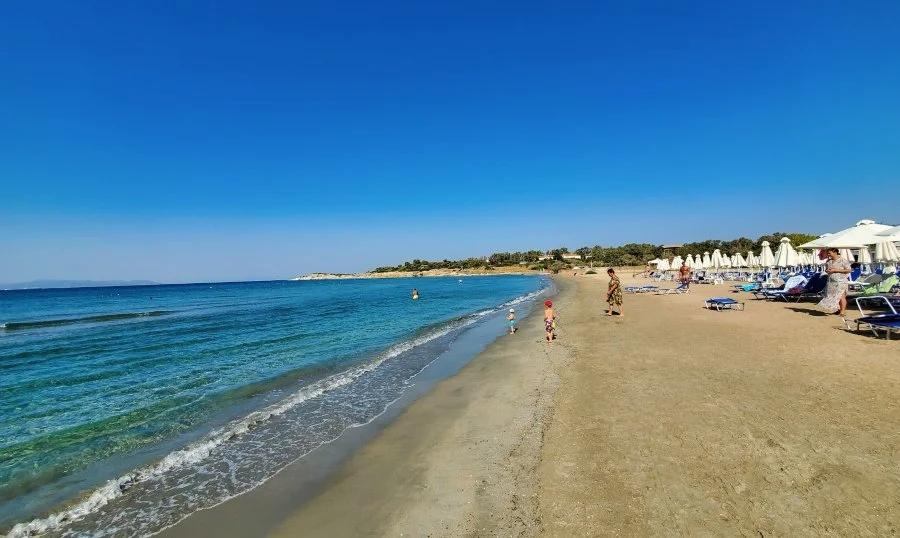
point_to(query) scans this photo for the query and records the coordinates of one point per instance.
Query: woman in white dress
(837, 268)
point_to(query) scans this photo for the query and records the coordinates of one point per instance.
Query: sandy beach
(671, 420)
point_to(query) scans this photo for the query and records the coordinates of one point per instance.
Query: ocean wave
(21, 325)
(200, 450)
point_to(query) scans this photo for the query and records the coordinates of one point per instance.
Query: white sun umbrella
(707, 261)
(690, 261)
(865, 256)
(891, 234)
(766, 258)
(752, 260)
(739, 261)
(715, 260)
(886, 252)
(847, 254)
(663, 265)
(726, 260)
(698, 262)
(677, 262)
(863, 233)
(786, 256)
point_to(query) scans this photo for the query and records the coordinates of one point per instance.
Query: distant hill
(44, 284)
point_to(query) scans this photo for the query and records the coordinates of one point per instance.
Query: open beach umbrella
(886, 252)
(891, 234)
(786, 256)
(863, 233)
(766, 258)
(707, 261)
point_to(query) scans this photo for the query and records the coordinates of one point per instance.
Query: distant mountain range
(43, 284)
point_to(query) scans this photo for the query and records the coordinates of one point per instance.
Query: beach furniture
(873, 284)
(640, 289)
(685, 287)
(723, 303)
(814, 287)
(891, 302)
(791, 283)
(886, 322)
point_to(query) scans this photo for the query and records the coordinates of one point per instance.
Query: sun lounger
(723, 303)
(640, 289)
(814, 287)
(891, 301)
(886, 322)
(794, 284)
(683, 288)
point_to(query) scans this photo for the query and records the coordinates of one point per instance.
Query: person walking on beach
(685, 272)
(837, 268)
(549, 320)
(614, 292)
(511, 318)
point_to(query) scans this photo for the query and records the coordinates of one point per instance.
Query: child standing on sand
(511, 318)
(549, 320)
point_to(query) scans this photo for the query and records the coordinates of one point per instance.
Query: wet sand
(671, 420)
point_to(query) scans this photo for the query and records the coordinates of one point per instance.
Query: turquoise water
(122, 410)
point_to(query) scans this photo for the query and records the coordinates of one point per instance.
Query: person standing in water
(511, 318)
(549, 320)
(415, 294)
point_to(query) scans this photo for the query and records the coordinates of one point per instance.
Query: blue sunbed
(723, 303)
(888, 322)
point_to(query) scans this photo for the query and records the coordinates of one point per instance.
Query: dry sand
(670, 421)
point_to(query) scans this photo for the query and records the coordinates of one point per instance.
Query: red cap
(548, 303)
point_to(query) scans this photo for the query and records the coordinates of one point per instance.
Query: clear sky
(215, 140)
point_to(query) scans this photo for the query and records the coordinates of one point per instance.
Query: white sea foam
(198, 451)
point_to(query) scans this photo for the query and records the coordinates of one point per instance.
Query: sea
(125, 409)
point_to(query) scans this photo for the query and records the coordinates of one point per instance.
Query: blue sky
(190, 141)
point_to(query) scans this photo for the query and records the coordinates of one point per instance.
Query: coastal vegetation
(630, 254)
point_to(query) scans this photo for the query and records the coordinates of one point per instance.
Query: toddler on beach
(511, 318)
(549, 320)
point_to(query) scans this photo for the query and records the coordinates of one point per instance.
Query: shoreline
(262, 509)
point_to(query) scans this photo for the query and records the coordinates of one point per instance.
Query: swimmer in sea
(415, 294)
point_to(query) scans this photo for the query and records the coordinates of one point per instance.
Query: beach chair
(748, 287)
(814, 287)
(792, 283)
(723, 303)
(640, 289)
(685, 287)
(891, 302)
(886, 322)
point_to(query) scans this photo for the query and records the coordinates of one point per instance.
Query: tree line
(631, 254)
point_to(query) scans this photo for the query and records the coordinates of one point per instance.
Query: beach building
(668, 250)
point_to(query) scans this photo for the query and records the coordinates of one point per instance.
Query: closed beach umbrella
(726, 261)
(863, 233)
(752, 261)
(766, 258)
(663, 265)
(739, 261)
(707, 261)
(698, 262)
(786, 256)
(865, 256)
(677, 262)
(886, 252)
(690, 261)
(847, 254)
